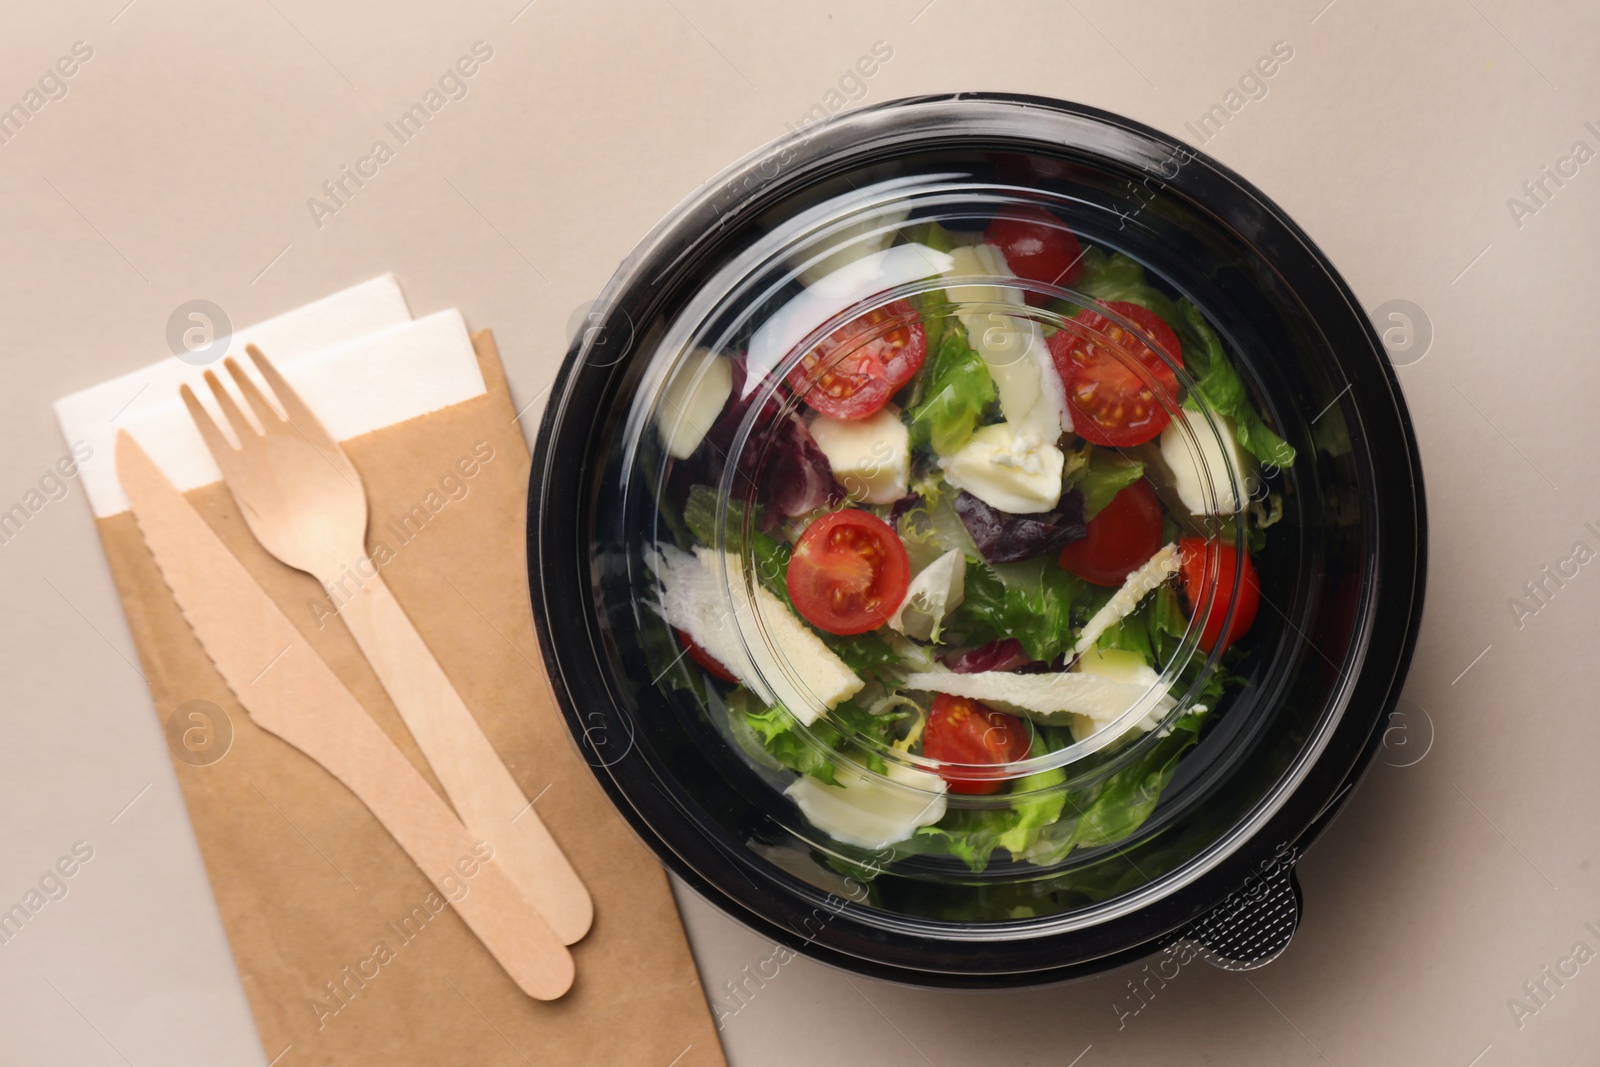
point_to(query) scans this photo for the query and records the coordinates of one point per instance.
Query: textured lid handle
(1253, 926)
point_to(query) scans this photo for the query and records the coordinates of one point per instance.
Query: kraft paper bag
(348, 954)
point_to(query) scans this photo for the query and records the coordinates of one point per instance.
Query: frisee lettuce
(868, 654)
(778, 732)
(782, 737)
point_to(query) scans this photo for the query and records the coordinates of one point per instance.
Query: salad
(968, 530)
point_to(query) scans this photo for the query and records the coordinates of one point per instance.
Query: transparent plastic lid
(955, 539)
(943, 535)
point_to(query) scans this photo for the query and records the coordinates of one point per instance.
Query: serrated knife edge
(299, 699)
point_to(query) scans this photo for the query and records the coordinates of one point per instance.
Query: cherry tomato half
(1037, 246)
(706, 660)
(1111, 404)
(1205, 567)
(964, 731)
(1124, 534)
(848, 573)
(855, 370)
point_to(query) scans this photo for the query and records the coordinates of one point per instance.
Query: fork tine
(299, 414)
(216, 444)
(230, 410)
(302, 419)
(266, 414)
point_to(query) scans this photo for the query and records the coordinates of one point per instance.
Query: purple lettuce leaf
(781, 466)
(1006, 538)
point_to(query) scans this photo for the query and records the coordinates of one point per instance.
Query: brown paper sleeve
(347, 953)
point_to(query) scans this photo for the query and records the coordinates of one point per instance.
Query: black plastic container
(1342, 580)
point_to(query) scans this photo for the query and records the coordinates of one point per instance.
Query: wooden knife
(302, 701)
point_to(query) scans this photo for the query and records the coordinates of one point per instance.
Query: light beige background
(178, 167)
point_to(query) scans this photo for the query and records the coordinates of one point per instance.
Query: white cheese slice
(981, 260)
(870, 457)
(935, 592)
(1071, 692)
(692, 401)
(1008, 467)
(1155, 570)
(1012, 346)
(1053, 398)
(871, 811)
(1126, 666)
(783, 662)
(1214, 462)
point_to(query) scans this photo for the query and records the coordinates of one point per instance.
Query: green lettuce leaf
(769, 554)
(1106, 473)
(956, 390)
(781, 736)
(1119, 278)
(1130, 634)
(1039, 798)
(1154, 629)
(867, 654)
(969, 834)
(1110, 810)
(1165, 621)
(972, 835)
(931, 234)
(1126, 799)
(1038, 606)
(1219, 386)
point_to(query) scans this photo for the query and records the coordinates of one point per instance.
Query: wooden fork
(303, 702)
(305, 503)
